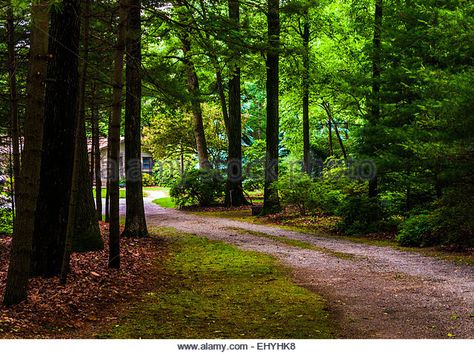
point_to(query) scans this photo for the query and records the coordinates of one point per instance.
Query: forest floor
(371, 291)
(217, 277)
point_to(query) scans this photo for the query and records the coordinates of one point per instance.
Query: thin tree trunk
(331, 122)
(97, 161)
(114, 134)
(135, 222)
(306, 63)
(194, 92)
(28, 182)
(331, 149)
(234, 192)
(376, 72)
(58, 145)
(271, 201)
(15, 143)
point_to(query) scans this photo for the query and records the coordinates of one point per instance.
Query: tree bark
(14, 133)
(195, 95)
(234, 195)
(306, 63)
(114, 135)
(28, 182)
(271, 201)
(97, 161)
(376, 72)
(135, 222)
(58, 144)
(87, 235)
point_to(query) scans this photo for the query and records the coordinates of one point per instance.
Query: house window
(147, 163)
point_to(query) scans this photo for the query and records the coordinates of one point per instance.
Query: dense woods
(361, 110)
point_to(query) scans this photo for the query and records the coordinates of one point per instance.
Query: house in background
(146, 158)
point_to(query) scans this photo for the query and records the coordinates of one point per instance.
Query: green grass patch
(165, 202)
(213, 290)
(458, 258)
(157, 189)
(122, 193)
(296, 243)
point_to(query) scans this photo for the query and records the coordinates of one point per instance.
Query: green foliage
(148, 180)
(360, 214)
(417, 230)
(198, 187)
(454, 221)
(297, 190)
(6, 221)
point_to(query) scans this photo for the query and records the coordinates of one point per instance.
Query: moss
(165, 202)
(296, 243)
(213, 290)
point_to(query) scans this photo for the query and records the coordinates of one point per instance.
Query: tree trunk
(28, 181)
(87, 235)
(195, 95)
(306, 146)
(234, 195)
(327, 108)
(114, 146)
(376, 71)
(13, 101)
(97, 161)
(135, 222)
(271, 201)
(58, 144)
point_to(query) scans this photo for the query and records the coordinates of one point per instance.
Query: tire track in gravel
(374, 292)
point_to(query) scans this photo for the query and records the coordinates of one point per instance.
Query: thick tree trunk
(114, 146)
(28, 181)
(135, 222)
(271, 201)
(306, 63)
(14, 133)
(58, 145)
(376, 72)
(195, 95)
(234, 192)
(87, 235)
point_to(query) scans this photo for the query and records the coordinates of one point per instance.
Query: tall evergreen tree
(271, 200)
(58, 139)
(28, 181)
(135, 223)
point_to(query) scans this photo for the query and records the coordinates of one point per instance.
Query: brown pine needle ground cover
(93, 293)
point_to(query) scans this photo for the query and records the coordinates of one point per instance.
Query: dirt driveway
(372, 291)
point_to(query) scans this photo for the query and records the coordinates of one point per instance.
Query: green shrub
(360, 214)
(148, 180)
(198, 187)
(296, 189)
(417, 230)
(455, 224)
(6, 221)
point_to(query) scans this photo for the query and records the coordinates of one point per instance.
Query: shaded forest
(356, 111)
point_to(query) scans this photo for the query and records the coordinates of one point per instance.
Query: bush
(148, 180)
(6, 221)
(454, 221)
(361, 214)
(296, 189)
(417, 231)
(198, 187)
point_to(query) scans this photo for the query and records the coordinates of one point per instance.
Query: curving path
(372, 291)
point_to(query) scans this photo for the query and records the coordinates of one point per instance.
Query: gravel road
(371, 291)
